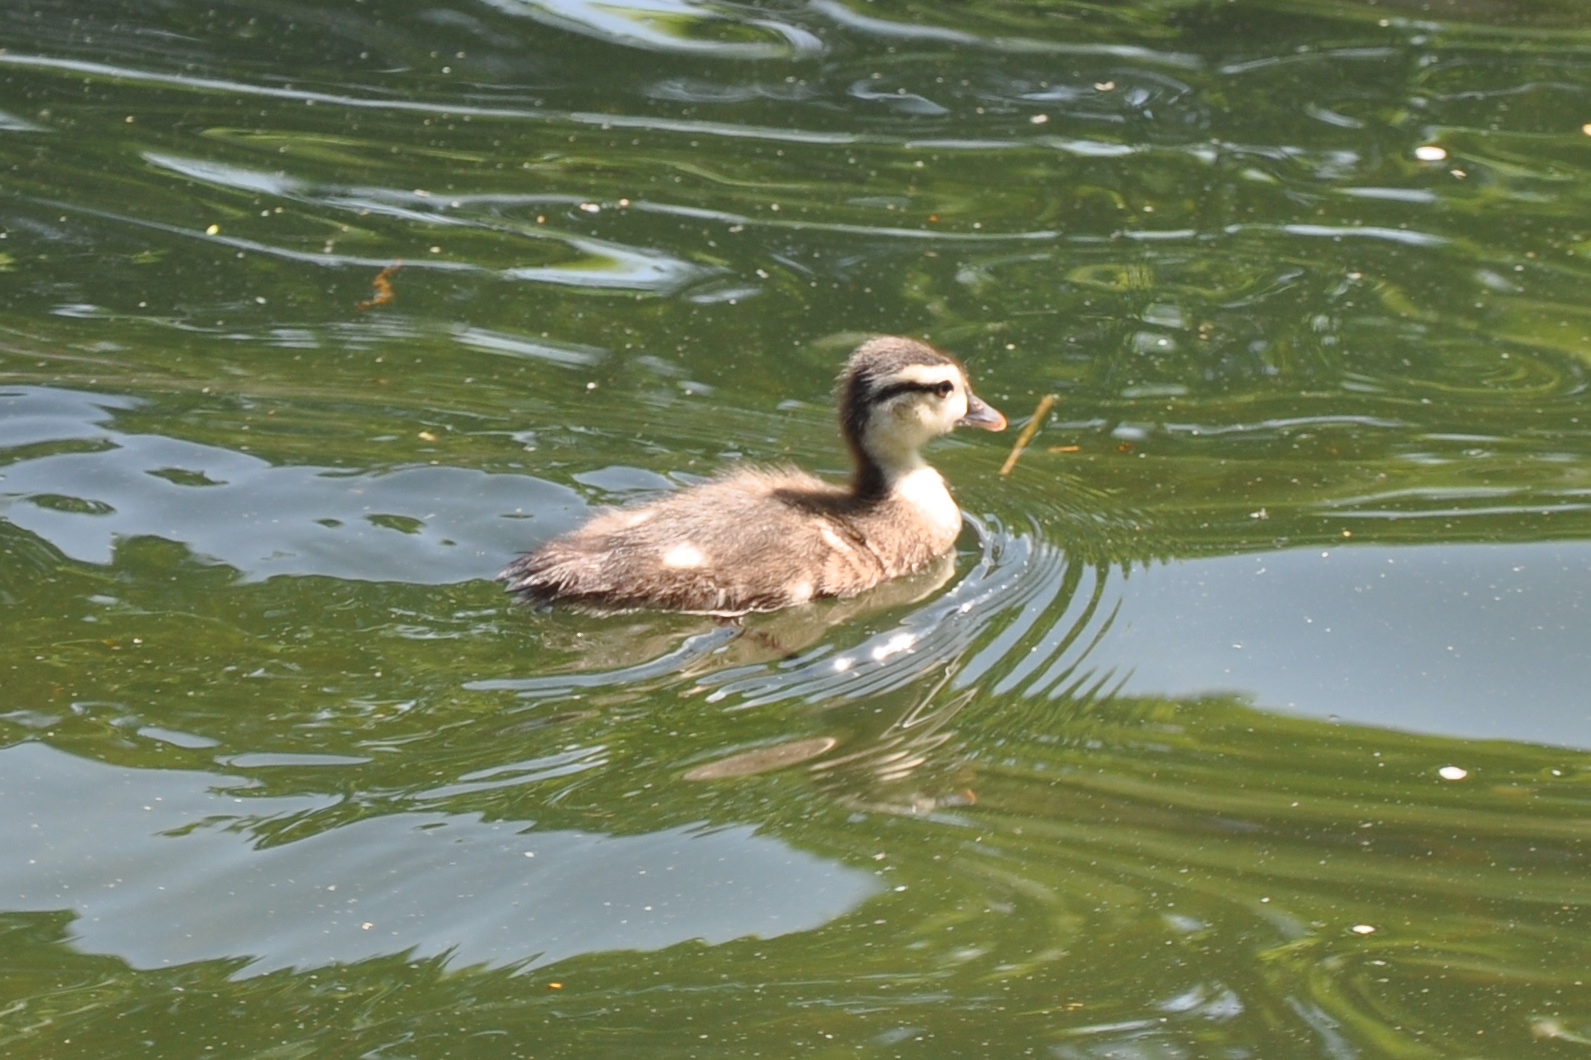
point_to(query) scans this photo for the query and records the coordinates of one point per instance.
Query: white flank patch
(633, 518)
(832, 539)
(801, 592)
(684, 554)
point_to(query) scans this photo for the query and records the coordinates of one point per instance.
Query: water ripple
(596, 263)
(699, 29)
(437, 108)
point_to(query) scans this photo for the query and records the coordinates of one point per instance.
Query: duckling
(763, 539)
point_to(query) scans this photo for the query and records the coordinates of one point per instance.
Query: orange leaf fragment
(383, 286)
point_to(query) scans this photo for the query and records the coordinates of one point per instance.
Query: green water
(1252, 721)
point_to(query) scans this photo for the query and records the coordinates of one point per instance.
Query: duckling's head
(897, 393)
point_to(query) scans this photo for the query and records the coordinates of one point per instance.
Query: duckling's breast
(934, 512)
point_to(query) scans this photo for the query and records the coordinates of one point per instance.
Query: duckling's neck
(889, 479)
(879, 473)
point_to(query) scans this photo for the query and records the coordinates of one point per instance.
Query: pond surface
(1251, 721)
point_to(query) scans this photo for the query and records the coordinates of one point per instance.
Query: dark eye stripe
(943, 387)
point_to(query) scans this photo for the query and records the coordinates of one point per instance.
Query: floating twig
(1032, 428)
(383, 285)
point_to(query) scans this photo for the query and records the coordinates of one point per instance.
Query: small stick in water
(383, 287)
(1028, 432)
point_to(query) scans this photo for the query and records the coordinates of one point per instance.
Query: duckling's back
(756, 541)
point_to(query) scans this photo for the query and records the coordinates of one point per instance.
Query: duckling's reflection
(916, 765)
(890, 745)
(872, 776)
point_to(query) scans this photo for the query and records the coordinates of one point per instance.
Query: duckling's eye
(944, 387)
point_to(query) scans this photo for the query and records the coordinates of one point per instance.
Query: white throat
(896, 461)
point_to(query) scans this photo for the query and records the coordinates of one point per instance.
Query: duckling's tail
(552, 575)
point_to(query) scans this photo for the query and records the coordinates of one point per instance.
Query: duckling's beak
(981, 415)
